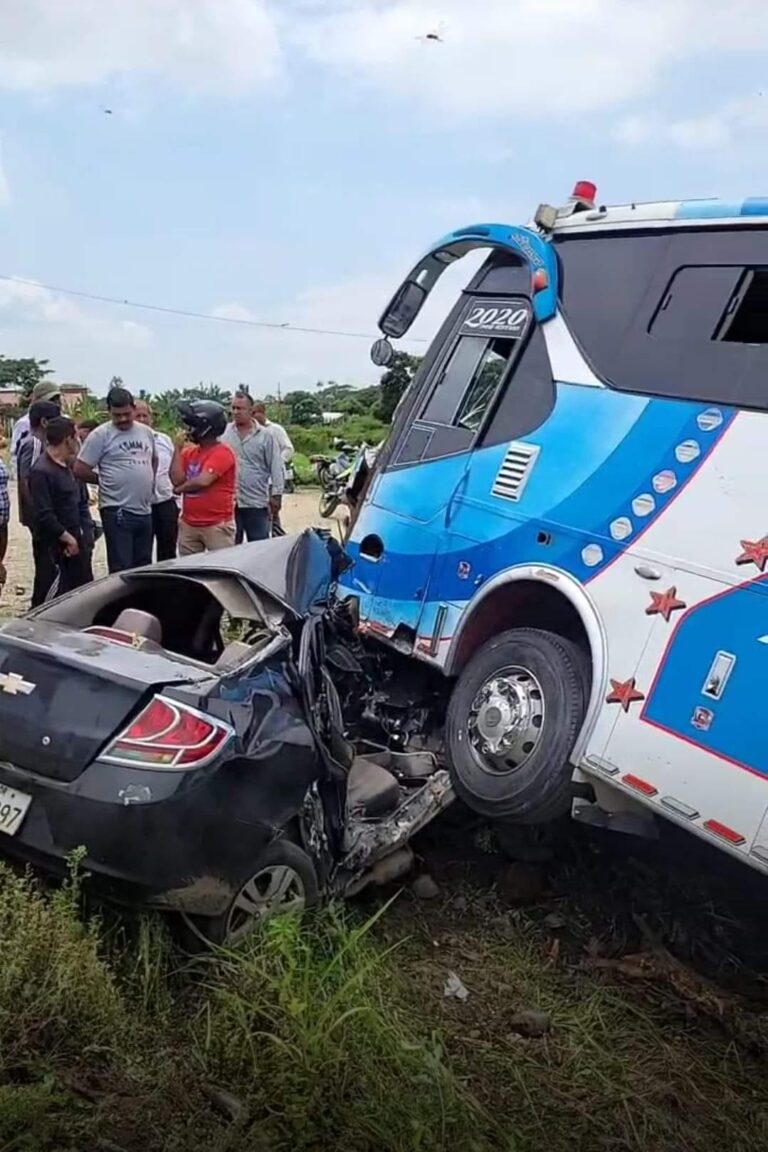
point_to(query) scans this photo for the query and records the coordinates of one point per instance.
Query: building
(72, 395)
(10, 397)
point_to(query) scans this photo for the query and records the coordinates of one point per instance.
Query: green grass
(107, 1039)
(630, 1066)
(335, 1033)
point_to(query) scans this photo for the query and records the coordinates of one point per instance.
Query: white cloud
(233, 311)
(5, 188)
(37, 309)
(507, 60)
(735, 121)
(513, 59)
(262, 358)
(203, 44)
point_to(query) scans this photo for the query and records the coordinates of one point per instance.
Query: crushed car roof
(294, 570)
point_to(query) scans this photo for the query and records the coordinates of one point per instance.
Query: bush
(57, 996)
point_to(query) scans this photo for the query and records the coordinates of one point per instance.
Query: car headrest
(140, 624)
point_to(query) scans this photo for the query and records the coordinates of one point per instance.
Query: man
(30, 450)
(120, 457)
(285, 447)
(5, 515)
(56, 498)
(84, 429)
(260, 474)
(45, 390)
(203, 474)
(165, 508)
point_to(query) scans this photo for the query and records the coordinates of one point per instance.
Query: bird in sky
(436, 36)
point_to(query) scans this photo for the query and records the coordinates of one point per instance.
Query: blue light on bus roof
(722, 209)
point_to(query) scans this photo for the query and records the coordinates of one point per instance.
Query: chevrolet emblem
(14, 685)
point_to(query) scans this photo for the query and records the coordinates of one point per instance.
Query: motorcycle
(360, 474)
(333, 474)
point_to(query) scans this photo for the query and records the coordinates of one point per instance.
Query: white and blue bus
(569, 519)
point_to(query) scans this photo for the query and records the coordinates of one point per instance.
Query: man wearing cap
(45, 390)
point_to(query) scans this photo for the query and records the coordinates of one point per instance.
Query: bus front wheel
(512, 722)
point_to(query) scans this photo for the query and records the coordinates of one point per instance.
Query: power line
(285, 327)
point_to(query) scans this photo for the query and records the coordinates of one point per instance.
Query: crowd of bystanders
(217, 484)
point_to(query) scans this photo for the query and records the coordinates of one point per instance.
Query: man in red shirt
(203, 474)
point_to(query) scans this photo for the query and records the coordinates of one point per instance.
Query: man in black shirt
(57, 524)
(30, 450)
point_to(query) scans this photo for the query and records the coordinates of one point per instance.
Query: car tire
(283, 881)
(512, 721)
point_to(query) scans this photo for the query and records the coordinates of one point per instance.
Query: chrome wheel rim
(506, 720)
(277, 890)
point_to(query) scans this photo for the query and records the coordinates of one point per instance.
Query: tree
(24, 374)
(305, 408)
(394, 382)
(164, 404)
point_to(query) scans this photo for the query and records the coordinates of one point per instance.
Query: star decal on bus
(755, 552)
(665, 603)
(623, 692)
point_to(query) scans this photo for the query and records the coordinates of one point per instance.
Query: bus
(569, 518)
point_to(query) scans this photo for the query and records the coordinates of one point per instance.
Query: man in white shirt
(285, 446)
(45, 390)
(282, 438)
(165, 507)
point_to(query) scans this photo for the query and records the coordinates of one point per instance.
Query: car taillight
(167, 734)
(116, 635)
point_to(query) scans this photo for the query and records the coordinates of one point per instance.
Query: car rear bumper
(178, 841)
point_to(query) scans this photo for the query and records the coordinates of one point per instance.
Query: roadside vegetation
(300, 1041)
(347, 1032)
(313, 419)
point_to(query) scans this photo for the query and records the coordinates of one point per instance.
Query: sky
(287, 161)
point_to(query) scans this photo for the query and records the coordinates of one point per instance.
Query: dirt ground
(299, 511)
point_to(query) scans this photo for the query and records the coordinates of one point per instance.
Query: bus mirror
(382, 353)
(403, 309)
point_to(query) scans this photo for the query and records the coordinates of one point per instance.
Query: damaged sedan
(216, 736)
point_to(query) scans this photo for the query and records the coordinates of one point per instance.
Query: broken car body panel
(185, 837)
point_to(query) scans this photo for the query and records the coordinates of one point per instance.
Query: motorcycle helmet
(202, 418)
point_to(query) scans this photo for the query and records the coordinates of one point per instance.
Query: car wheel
(512, 722)
(282, 882)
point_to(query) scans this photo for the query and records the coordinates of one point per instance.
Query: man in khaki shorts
(203, 474)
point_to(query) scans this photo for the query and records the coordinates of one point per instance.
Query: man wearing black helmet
(203, 474)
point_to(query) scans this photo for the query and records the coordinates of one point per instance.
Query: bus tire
(512, 721)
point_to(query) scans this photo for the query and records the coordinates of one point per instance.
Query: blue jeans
(252, 524)
(128, 536)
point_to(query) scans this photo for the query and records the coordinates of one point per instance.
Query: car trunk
(64, 694)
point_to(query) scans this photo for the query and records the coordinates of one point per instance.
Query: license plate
(13, 809)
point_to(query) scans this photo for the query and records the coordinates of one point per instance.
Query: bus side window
(528, 395)
(452, 381)
(484, 383)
